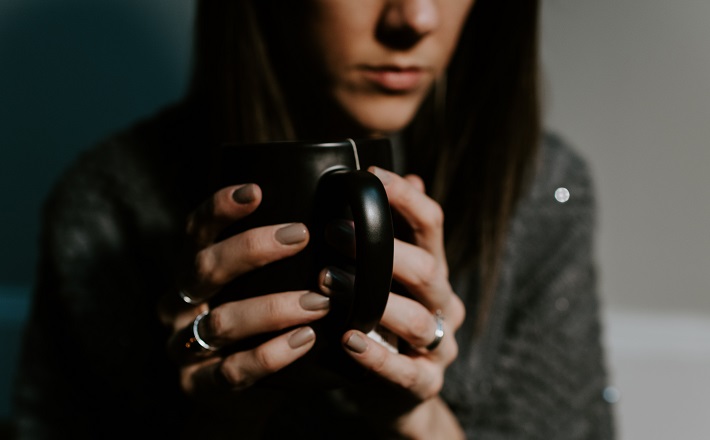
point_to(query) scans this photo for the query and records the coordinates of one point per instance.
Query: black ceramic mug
(318, 184)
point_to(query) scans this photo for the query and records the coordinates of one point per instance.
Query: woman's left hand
(421, 267)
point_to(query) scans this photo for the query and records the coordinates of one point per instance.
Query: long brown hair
(474, 146)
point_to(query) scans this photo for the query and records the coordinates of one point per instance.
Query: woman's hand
(416, 373)
(210, 264)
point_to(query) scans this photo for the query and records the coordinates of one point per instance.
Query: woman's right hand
(208, 265)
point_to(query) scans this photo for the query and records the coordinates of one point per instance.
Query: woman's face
(381, 57)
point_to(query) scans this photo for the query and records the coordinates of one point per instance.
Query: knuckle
(234, 375)
(205, 264)
(214, 324)
(250, 243)
(408, 195)
(253, 247)
(457, 312)
(207, 268)
(266, 360)
(426, 270)
(434, 387)
(274, 310)
(378, 362)
(186, 382)
(416, 181)
(408, 378)
(451, 353)
(434, 216)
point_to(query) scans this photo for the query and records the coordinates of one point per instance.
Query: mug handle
(374, 243)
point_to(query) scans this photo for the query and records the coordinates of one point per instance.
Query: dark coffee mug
(318, 184)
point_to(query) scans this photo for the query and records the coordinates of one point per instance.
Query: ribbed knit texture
(538, 371)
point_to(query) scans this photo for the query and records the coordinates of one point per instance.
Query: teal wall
(71, 72)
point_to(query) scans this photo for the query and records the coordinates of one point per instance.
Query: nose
(405, 22)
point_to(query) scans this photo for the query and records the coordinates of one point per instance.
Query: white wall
(628, 83)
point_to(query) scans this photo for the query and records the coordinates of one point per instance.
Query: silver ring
(187, 298)
(196, 334)
(438, 333)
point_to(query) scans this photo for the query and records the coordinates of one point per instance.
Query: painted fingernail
(302, 337)
(245, 194)
(314, 301)
(292, 234)
(337, 280)
(356, 343)
(384, 176)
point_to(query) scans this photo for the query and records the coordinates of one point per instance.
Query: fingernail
(384, 176)
(302, 337)
(356, 343)
(314, 301)
(245, 194)
(337, 280)
(292, 234)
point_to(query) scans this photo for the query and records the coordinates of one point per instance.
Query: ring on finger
(438, 333)
(196, 333)
(195, 344)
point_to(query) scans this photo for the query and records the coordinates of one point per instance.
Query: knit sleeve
(93, 334)
(539, 370)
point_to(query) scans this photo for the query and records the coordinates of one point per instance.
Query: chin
(385, 115)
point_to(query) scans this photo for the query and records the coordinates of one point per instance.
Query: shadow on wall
(71, 73)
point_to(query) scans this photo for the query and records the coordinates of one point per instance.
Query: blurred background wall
(71, 72)
(626, 82)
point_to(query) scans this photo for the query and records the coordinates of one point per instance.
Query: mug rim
(306, 143)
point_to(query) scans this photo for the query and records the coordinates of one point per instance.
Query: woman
(454, 84)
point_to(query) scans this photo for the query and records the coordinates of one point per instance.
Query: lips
(394, 79)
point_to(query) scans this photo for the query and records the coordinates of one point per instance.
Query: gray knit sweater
(94, 363)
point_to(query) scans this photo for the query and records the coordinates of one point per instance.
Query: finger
(415, 181)
(333, 280)
(416, 325)
(242, 369)
(216, 265)
(201, 377)
(224, 207)
(234, 321)
(416, 271)
(416, 374)
(422, 274)
(423, 214)
(185, 346)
